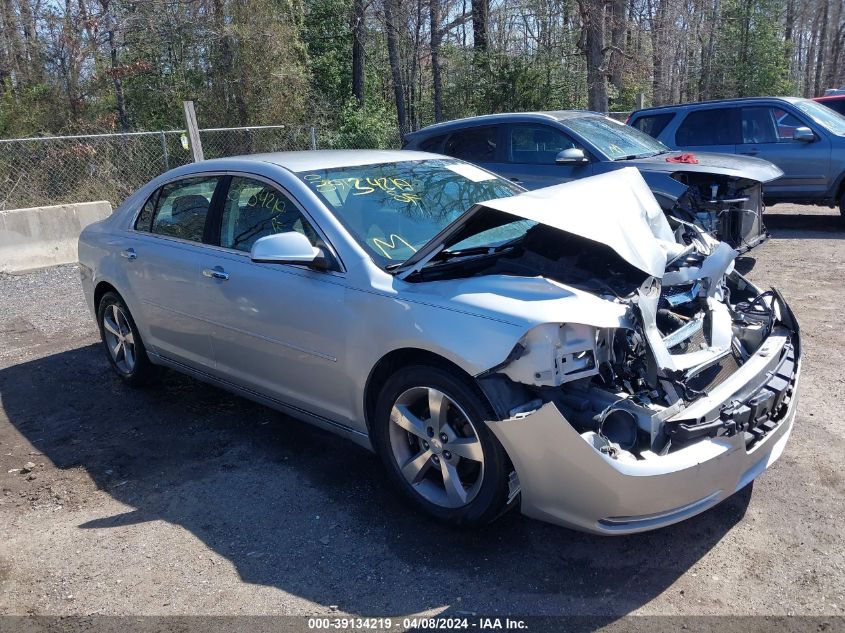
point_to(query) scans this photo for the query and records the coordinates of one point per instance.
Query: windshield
(832, 121)
(393, 209)
(614, 139)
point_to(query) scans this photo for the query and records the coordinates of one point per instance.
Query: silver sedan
(570, 351)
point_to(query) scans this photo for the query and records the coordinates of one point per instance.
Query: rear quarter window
(433, 144)
(145, 218)
(653, 124)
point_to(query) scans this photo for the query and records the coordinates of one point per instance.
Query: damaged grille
(754, 415)
(714, 375)
(697, 341)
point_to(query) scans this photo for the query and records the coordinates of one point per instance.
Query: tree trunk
(358, 34)
(117, 82)
(658, 53)
(811, 56)
(32, 46)
(480, 22)
(16, 54)
(818, 89)
(789, 28)
(618, 27)
(390, 9)
(592, 20)
(436, 76)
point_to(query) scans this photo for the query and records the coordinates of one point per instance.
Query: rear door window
(182, 208)
(477, 144)
(653, 124)
(715, 126)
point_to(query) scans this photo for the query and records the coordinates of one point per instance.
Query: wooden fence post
(193, 131)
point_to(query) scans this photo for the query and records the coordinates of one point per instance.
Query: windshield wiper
(644, 155)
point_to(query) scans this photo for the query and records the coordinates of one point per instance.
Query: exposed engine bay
(686, 335)
(727, 207)
(698, 351)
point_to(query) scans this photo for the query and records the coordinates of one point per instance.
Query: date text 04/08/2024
(417, 623)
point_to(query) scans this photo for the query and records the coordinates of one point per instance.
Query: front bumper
(565, 480)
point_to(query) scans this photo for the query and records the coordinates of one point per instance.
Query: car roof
(308, 160)
(740, 100)
(838, 97)
(504, 117)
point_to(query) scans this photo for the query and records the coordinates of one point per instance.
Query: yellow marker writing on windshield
(383, 245)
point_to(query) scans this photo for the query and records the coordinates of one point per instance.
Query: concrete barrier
(45, 236)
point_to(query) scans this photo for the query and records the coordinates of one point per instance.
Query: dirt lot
(183, 499)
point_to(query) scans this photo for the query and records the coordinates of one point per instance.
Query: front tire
(122, 341)
(430, 431)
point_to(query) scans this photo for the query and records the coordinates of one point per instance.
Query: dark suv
(802, 137)
(722, 194)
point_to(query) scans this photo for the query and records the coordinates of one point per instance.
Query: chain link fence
(63, 169)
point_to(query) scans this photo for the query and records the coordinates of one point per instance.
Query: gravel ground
(183, 499)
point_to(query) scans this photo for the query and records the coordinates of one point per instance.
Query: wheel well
(102, 288)
(405, 357)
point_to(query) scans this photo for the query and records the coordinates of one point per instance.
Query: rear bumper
(565, 480)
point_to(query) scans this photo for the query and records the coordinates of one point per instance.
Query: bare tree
(392, 34)
(592, 45)
(114, 70)
(358, 59)
(480, 24)
(436, 74)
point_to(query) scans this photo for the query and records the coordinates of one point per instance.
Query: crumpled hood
(616, 209)
(711, 163)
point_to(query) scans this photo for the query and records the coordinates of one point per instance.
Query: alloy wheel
(436, 447)
(119, 338)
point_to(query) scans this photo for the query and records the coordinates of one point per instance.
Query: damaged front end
(673, 390)
(647, 424)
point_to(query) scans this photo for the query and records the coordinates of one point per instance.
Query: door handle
(129, 253)
(516, 181)
(215, 273)
(751, 152)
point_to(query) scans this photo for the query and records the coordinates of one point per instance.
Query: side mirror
(572, 156)
(803, 134)
(288, 248)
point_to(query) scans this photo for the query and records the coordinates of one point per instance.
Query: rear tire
(430, 432)
(122, 341)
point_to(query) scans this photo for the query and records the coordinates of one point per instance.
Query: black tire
(141, 371)
(490, 500)
(842, 206)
